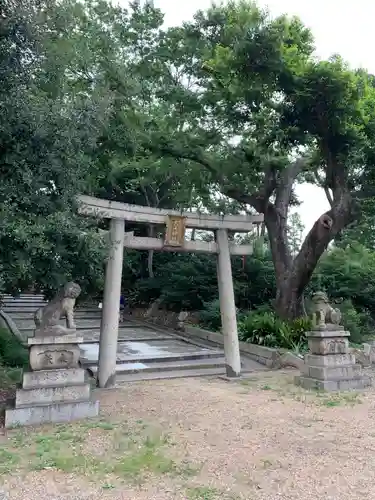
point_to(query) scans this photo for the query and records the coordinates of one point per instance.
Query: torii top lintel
(106, 209)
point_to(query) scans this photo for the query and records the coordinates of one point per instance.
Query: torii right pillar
(227, 306)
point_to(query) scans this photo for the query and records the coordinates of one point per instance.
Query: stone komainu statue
(47, 318)
(322, 312)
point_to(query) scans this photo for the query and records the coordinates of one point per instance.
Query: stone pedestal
(53, 389)
(329, 366)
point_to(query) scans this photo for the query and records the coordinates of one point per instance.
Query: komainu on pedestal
(322, 312)
(329, 365)
(54, 388)
(47, 318)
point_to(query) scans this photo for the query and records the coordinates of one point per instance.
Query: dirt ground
(259, 439)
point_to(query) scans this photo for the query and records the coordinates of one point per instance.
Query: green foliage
(46, 137)
(190, 281)
(347, 275)
(110, 103)
(210, 316)
(359, 323)
(12, 352)
(262, 97)
(265, 328)
(181, 281)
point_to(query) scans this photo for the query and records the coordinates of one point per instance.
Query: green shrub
(12, 352)
(210, 316)
(265, 328)
(359, 324)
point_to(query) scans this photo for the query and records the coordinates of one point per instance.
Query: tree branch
(258, 200)
(323, 185)
(328, 195)
(285, 183)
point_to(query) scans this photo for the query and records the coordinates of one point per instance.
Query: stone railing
(7, 323)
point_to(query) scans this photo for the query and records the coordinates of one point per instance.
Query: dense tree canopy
(226, 113)
(45, 141)
(270, 115)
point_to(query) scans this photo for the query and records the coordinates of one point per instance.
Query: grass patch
(341, 399)
(203, 493)
(131, 452)
(108, 486)
(8, 461)
(144, 457)
(266, 463)
(207, 493)
(105, 426)
(284, 387)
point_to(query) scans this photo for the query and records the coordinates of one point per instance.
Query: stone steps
(29, 316)
(125, 378)
(164, 367)
(92, 334)
(125, 334)
(125, 361)
(82, 323)
(22, 309)
(29, 309)
(144, 352)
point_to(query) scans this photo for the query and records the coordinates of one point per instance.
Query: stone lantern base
(329, 366)
(54, 388)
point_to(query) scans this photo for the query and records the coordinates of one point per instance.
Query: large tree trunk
(297, 275)
(288, 304)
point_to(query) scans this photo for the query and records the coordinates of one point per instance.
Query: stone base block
(53, 331)
(334, 373)
(72, 338)
(324, 346)
(329, 360)
(328, 331)
(53, 378)
(333, 385)
(49, 395)
(54, 356)
(41, 414)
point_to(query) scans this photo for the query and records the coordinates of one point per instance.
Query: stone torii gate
(174, 241)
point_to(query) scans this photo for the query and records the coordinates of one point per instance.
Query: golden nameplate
(175, 231)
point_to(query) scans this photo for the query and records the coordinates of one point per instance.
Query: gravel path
(262, 439)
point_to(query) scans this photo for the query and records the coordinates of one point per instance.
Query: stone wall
(272, 358)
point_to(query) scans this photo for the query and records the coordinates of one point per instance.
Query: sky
(339, 26)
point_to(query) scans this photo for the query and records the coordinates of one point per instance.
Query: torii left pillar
(111, 307)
